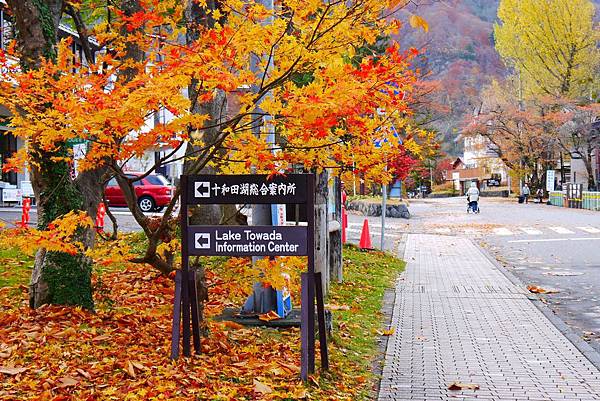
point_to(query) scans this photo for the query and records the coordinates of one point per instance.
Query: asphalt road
(551, 247)
(554, 248)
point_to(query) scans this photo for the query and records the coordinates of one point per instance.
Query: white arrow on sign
(202, 189)
(202, 240)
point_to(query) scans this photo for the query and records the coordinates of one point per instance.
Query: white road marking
(443, 230)
(530, 231)
(502, 231)
(591, 230)
(374, 233)
(561, 230)
(556, 240)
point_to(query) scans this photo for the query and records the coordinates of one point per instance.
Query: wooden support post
(304, 327)
(321, 318)
(195, 315)
(321, 228)
(176, 317)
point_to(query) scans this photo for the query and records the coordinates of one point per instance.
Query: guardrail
(590, 200)
(557, 198)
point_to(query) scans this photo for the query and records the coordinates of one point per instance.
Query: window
(8, 146)
(157, 180)
(112, 183)
(137, 183)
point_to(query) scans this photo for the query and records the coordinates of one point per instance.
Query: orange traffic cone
(365, 237)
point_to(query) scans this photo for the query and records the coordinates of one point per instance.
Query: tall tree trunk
(197, 19)
(57, 277)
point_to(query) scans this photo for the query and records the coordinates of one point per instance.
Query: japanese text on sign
(206, 189)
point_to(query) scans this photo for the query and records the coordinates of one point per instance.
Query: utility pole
(262, 299)
(520, 127)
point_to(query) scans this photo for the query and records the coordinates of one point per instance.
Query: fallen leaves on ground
(121, 352)
(457, 386)
(539, 290)
(267, 317)
(388, 332)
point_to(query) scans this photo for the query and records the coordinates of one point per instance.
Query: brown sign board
(247, 189)
(247, 240)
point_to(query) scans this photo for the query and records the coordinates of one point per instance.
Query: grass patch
(358, 319)
(15, 268)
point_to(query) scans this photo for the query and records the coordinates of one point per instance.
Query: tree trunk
(197, 18)
(321, 229)
(57, 277)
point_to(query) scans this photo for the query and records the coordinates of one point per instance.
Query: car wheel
(146, 203)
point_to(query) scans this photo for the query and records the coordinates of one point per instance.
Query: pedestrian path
(457, 318)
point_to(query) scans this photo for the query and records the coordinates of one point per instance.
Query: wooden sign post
(248, 241)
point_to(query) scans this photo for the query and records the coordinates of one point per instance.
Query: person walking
(473, 198)
(526, 192)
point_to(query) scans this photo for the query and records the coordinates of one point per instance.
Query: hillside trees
(328, 122)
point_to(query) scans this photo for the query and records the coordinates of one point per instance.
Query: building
(480, 164)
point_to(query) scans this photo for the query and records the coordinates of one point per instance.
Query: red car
(153, 192)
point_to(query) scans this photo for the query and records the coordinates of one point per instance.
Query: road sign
(247, 240)
(202, 189)
(247, 189)
(550, 177)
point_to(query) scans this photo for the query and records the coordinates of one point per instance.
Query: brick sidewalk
(458, 318)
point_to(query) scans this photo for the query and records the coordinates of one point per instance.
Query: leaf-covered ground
(121, 351)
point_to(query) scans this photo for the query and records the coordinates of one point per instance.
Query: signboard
(79, 152)
(575, 195)
(246, 189)
(274, 240)
(279, 213)
(11, 195)
(247, 240)
(550, 177)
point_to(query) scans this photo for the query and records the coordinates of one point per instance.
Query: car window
(155, 179)
(112, 182)
(137, 183)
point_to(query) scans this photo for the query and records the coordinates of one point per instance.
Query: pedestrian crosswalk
(530, 231)
(550, 230)
(476, 231)
(591, 230)
(561, 230)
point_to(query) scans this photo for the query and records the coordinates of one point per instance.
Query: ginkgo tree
(237, 49)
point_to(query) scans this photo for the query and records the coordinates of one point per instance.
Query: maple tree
(329, 122)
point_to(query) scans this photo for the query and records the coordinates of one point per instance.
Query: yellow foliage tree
(552, 43)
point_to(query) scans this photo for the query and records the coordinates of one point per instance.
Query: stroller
(472, 206)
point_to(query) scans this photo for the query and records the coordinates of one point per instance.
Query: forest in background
(459, 57)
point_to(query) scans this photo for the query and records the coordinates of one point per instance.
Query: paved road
(457, 318)
(552, 247)
(10, 215)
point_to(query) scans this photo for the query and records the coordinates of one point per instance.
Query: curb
(387, 310)
(590, 353)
